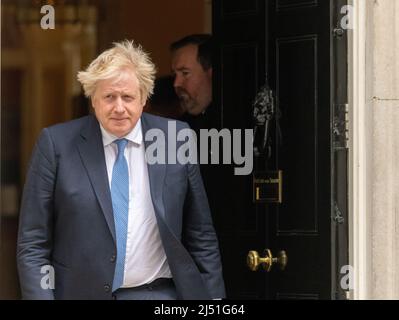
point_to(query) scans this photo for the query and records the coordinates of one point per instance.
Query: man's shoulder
(63, 135)
(67, 131)
(72, 125)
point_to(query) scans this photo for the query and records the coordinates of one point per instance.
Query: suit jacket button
(113, 258)
(107, 288)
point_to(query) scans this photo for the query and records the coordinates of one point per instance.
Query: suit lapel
(91, 150)
(156, 173)
(178, 258)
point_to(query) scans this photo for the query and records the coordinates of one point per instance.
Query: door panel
(300, 67)
(297, 160)
(286, 44)
(241, 55)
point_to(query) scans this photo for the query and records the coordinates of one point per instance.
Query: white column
(374, 66)
(384, 95)
(359, 168)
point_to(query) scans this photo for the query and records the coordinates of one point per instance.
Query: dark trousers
(159, 289)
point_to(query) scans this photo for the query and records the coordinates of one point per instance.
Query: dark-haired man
(192, 68)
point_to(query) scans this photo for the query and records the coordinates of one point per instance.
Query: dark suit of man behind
(67, 218)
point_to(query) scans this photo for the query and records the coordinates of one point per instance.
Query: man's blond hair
(124, 56)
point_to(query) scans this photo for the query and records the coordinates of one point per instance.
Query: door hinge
(338, 217)
(341, 126)
(338, 33)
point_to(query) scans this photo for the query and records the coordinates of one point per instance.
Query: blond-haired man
(98, 215)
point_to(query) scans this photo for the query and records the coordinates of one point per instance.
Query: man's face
(192, 83)
(118, 103)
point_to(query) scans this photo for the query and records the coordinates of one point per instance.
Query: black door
(287, 45)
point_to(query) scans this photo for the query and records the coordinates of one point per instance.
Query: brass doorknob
(254, 260)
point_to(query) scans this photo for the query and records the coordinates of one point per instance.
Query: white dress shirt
(145, 256)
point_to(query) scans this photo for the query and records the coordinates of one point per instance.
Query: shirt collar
(135, 135)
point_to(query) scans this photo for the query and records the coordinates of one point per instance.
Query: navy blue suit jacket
(66, 218)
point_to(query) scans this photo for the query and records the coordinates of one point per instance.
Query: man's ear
(92, 109)
(91, 100)
(143, 99)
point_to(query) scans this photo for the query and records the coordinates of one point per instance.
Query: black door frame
(340, 151)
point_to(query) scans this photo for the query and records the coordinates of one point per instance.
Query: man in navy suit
(106, 222)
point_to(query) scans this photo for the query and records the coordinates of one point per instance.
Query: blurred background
(38, 78)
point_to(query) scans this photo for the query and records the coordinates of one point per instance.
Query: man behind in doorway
(192, 68)
(107, 222)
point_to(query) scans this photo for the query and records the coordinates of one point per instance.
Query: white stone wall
(382, 97)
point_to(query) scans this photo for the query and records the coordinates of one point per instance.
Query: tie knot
(121, 143)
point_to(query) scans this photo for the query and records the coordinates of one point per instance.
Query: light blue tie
(120, 205)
